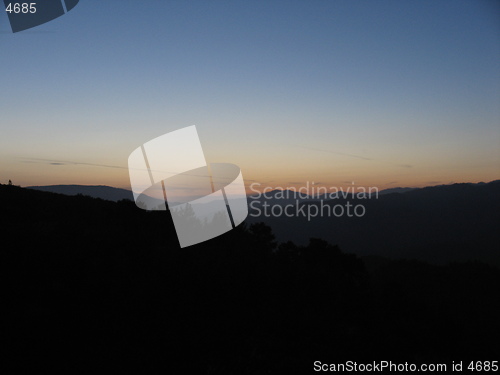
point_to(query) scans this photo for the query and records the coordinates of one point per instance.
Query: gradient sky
(385, 93)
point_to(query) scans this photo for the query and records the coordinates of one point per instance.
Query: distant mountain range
(116, 194)
(397, 190)
(438, 224)
(98, 191)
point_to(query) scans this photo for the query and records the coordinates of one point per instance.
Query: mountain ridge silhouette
(437, 224)
(115, 194)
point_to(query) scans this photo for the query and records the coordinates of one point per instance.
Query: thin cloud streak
(66, 162)
(355, 156)
(335, 152)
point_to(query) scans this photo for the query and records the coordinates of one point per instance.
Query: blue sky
(381, 93)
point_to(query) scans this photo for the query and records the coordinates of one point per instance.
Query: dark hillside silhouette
(98, 286)
(439, 224)
(103, 192)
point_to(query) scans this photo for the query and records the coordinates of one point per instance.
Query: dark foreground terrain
(94, 286)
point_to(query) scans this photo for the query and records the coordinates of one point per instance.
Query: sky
(386, 93)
